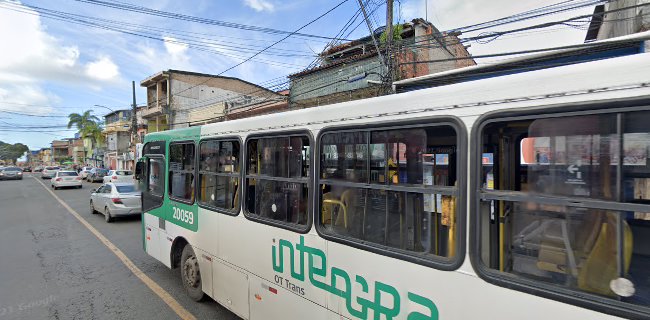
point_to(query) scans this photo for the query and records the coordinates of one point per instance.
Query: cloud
(36, 56)
(103, 69)
(177, 50)
(260, 5)
(173, 55)
(27, 98)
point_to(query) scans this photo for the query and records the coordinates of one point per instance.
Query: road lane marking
(164, 295)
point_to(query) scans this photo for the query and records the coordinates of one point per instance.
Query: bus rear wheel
(191, 274)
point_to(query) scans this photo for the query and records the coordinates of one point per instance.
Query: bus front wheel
(191, 274)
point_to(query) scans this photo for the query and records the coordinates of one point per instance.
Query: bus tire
(191, 274)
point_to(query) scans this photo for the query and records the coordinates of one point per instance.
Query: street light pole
(105, 107)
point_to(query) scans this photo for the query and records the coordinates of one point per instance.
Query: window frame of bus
(194, 172)
(507, 280)
(240, 175)
(310, 180)
(148, 157)
(437, 262)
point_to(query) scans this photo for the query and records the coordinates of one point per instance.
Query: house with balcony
(76, 150)
(178, 99)
(117, 133)
(60, 151)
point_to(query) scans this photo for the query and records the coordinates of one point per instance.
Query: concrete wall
(616, 24)
(193, 92)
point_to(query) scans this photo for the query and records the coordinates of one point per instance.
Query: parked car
(124, 176)
(115, 200)
(27, 169)
(49, 172)
(66, 178)
(38, 169)
(84, 172)
(11, 173)
(96, 174)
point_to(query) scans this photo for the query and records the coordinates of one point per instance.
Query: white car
(66, 178)
(84, 172)
(121, 176)
(116, 199)
(49, 172)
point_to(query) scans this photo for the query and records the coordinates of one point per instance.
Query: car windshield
(123, 173)
(102, 172)
(12, 169)
(52, 168)
(67, 173)
(125, 189)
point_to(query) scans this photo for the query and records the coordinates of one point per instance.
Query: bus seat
(600, 267)
(594, 262)
(330, 206)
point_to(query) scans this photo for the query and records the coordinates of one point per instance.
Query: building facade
(178, 99)
(354, 70)
(117, 133)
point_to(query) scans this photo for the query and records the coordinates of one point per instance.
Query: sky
(50, 68)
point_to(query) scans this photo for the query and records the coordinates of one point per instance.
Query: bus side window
(219, 174)
(563, 202)
(394, 188)
(277, 178)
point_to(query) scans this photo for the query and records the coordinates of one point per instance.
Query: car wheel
(92, 208)
(107, 215)
(191, 274)
(79, 187)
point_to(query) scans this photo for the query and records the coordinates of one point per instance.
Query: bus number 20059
(183, 215)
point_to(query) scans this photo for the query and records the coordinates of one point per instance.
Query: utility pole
(372, 33)
(134, 123)
(389, 45)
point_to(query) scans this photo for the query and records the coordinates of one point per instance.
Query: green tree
(81, 121)
(88, 126)
(11, 152)
(94, 132)
(397, 33)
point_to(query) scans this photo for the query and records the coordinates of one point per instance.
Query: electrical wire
(177, 16)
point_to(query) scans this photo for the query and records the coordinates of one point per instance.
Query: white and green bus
(525, 196)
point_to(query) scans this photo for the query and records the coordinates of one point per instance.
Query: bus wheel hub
(191, 271)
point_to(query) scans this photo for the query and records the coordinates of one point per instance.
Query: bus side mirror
(138, 170)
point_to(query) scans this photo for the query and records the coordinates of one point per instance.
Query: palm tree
(82, 120)
(94, 132)
(86, 123)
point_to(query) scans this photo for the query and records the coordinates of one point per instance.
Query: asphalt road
(53, 267)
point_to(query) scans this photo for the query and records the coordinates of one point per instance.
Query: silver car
(116, 199)
(14, 173)
(49, 172)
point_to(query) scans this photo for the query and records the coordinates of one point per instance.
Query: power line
(177, 16)
(30, 115)
(205, 47)
(268, 47)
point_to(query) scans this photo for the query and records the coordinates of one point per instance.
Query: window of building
(181, 171)
(394, 188)
(565, 203)
(277, 180)
(219, 174)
